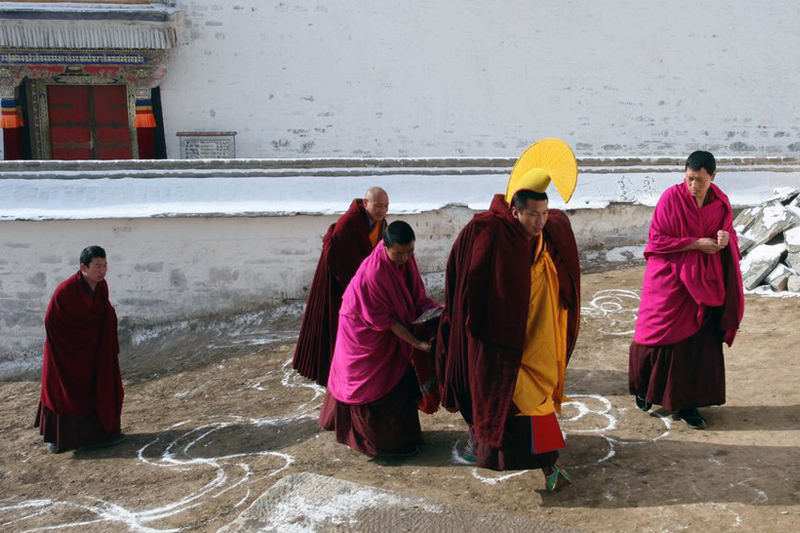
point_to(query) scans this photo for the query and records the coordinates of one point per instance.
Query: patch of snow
(625, 254)
(772, 214)
(17, 366)
(764, 252)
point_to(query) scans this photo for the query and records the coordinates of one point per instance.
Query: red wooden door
(112, 131)
(89, 122)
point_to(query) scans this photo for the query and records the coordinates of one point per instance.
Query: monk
(344, 246)
(512, 304)
(371, 402)
(692, 297)
(81, 399)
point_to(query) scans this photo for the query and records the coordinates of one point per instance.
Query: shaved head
(376, 203)
(373, 193)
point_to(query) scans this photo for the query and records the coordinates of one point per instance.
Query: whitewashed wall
(184, 247)
(389, 78)
(180, 268)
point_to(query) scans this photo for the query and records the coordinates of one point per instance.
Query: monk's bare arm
(401, 331)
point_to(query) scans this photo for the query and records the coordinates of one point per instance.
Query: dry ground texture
(214, 416)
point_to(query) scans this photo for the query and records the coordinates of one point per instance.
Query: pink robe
(369, 360)
(679, 285)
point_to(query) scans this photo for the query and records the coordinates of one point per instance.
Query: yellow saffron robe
(540, 383)
(375, 234)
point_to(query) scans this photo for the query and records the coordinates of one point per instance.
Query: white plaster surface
(382, 77)
(168, 269)
(129, 197)
(171, 260)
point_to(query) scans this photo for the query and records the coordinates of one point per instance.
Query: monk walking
(692, 297)
(81, 399)
(372, 395)
(510, 322)
(344, 246)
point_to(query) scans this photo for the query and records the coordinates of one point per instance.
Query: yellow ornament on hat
(544, 161)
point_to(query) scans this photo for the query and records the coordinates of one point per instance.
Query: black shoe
(409, 452)
(692, 418)
(643, 404)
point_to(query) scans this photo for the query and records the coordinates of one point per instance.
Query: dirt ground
(215, 416)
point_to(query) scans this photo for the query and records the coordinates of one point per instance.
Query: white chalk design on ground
(228, 472)
(614, 309)
(584, 405)
(597, 405)
(293, 380)
(476, 473)
(494, 480)
(737, 518)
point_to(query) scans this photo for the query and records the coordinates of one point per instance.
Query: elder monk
(510, 322)
(81, 399)
(373, 391)
(344, 246)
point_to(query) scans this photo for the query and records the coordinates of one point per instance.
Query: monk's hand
(423, 346)
(707, 245)
(723, 238)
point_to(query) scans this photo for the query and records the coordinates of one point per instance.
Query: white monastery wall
(175, 268)
(184, 247)
(387, 78)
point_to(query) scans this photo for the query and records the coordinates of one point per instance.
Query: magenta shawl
(369, 359)
(678, 286)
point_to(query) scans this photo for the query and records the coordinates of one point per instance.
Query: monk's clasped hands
(723, 237)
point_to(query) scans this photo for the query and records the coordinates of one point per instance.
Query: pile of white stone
(769, 239)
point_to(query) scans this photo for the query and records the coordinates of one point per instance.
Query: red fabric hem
(70, 432)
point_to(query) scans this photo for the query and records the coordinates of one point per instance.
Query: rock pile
(769, 239)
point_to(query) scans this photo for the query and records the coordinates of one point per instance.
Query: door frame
(39, 114)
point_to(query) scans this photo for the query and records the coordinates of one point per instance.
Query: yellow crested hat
(544, 161)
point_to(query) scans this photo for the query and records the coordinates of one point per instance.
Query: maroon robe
(684, 367)
(81, 399)
(344, 247)
(483, 327)
(387, 427)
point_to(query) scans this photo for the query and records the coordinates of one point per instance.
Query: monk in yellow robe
(510, 322)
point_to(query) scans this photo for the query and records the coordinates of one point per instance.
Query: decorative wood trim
(40, 119)
(131, 117)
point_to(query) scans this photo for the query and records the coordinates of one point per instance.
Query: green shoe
(556, 478)
(468, 453)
